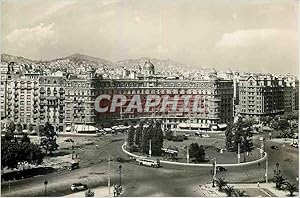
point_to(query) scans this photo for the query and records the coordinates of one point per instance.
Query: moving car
(274, 147)
(205, 136)
(69, 140)
(148, 162)
(295, 144)
(78, 187)
(221, 169)
(74, 165)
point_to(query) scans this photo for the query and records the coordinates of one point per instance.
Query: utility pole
(108, 180)
(150, 152)
(214, 171)
(261, 146)
(187, 154)
(267, 168)
(239, 153)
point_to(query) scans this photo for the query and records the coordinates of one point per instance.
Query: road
(168, 180)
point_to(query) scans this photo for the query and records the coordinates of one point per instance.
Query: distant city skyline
(258, 36)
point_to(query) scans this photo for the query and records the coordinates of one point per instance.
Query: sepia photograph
(149, 98)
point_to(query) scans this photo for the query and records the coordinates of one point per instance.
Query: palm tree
(240, 193)
(291, 188)
(229, 190)
(221, 183)
(279, 181)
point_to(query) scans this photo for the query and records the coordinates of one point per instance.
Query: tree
(157, 139)
(221, 183)
(30, 128)
(25, 138)
(197, 152)
(130, 137)
(291, 188)
(19, 128)
(169, 134)
(48, 138)
(240, 133)
(146, 136)
(14, 152)
(279, 181)
(10, 126)
(138, 135)
(240, 193)
(283, 124)
(89, 193)
(229, 190)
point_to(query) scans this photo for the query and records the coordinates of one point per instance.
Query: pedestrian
(258, 184)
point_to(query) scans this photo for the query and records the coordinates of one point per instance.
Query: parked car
(295, 144)
(274, 147)
(73, 166)
(205, 136)
(221, 169)
(198, 133)
(69, 140)
(78, 187)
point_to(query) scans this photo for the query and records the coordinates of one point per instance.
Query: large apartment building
(261, 95)
(66, 100)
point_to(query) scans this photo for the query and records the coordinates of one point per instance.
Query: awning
(222, 126)
(85, 128)
(214, 127)
(266, 128)
(193, 125)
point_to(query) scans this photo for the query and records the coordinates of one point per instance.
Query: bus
(148, 162)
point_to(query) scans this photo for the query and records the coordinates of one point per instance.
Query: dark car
(69, 140)
(274, 147)
(78, 187)
(221, 169)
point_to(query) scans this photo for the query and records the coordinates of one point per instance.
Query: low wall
(200, 165)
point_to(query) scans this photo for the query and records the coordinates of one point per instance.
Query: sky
(244, 35)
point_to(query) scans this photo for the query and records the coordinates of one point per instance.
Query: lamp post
(45, 184)
(120, 169)
(214, 171)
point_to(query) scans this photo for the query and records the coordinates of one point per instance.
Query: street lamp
(120, 169)
(45, 183)
(213, 171)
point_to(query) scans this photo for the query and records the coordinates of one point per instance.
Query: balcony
(61, 111)
(42, 110)
(16, 99)
(35, 111)
(16, 110)
(42, 91)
